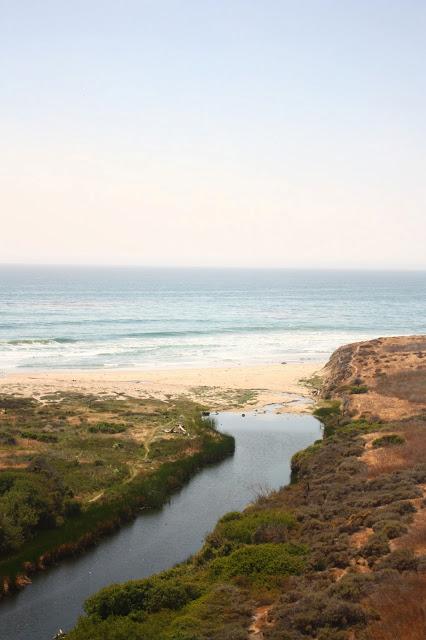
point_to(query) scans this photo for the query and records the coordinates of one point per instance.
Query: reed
(124, 503)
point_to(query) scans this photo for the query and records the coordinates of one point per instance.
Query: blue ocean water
(90, 317)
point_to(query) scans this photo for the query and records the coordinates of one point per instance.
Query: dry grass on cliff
(401, 605)
(415, 538)
(408, 384)
(390, 458)
(392, 369)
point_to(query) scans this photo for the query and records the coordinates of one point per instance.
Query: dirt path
(259, 622)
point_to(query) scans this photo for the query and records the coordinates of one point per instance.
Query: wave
(213, 331)
(36, 341)
(97, 321)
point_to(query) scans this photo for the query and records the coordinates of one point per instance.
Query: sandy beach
(217, 387)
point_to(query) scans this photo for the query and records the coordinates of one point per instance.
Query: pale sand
(248, 386)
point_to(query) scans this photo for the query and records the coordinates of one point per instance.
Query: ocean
(128, 317)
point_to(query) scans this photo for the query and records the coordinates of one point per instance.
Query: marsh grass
(80, 461)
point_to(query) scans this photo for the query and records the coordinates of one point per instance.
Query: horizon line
(102, 265)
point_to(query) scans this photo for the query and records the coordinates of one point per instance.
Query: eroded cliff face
(379, 379)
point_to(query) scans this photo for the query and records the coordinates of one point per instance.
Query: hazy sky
(213, 132)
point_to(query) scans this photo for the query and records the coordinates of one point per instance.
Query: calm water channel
(265, 442)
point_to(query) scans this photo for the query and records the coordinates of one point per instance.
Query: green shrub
(323, 612)
(341, 614)
(72, 508)
(267, 559)
(358, 388)
(389, 528)
(149, 595)
(300, 458)
(332, 409)
(41, 437)
(7, 438)
(388, 440)
(231, 515)
(14, 402)
(352, 587)
(112, 629)
(401, 560)
(243, 529)
(167, 447)
(376, 547)
(28, 501)
(107, 427)
(404, 508)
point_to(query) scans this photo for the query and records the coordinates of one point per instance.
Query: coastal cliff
(381, 379)
(337, 555)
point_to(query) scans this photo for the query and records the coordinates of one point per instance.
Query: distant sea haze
(99, 317)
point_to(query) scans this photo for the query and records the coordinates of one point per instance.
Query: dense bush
(332, 409)
(320, 611)
(404, 508)
(15, 402)
(72, 508)
(352, 587)
(376, 547)
(267, 559)
(7, 438)
(358, 388)
(166, 447)
(40, 436)
(147, 595)
(388, 440)
(248, 527)
(389, 528)
(107, 427)
(401, 560)
(231, 515)
(28, 501)
(111, 629)
(301, 458)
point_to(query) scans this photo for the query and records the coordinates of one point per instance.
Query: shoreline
(240, 386)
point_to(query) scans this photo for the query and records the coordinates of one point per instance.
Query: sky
(258, 133)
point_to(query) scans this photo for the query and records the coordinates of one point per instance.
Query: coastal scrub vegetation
(358, 388)
(388, 440)
(314, 382)
(316, 552)
(337, 555)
